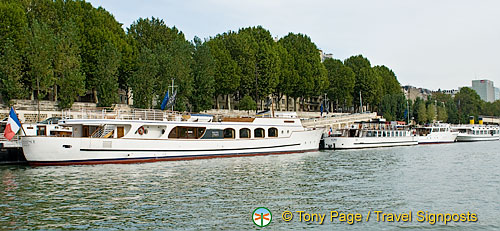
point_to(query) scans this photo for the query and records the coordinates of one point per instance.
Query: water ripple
(221, 193)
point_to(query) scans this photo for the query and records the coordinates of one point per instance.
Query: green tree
(247, 103)
(13, 26)
(11, 73)
(203, 72)
(40, 58)
(468, 104)
(108, 62)
(431, 112)
(256, 53)
(67, 66)
(342, 80)
(142, 81)
(420, 112)
(98, 28)
(312, 75)
(442, 115)
(390, 82)
(227, 72)
(173, 55)
(288, 78)
(368, 82)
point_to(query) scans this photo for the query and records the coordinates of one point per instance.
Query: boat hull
(438, 138)
(472, 138)
(367, 142)
(70, 151)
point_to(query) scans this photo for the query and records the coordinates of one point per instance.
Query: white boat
(99, 141)
(11, 150)
(477, 132)
(371, 135)
(436, 134)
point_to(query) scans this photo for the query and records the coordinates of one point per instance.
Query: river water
(222, 193)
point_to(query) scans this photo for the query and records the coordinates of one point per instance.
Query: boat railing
(123, 114)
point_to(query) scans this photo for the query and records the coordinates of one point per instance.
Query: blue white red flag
(165, 100)
(13, 125)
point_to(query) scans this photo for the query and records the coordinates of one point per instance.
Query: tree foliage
(342, 80)
(247, 103)
(312, 75)
(203, 67)
(60, 50)
(172, 56)
(468, 104)
(70, 79)
(367, 81)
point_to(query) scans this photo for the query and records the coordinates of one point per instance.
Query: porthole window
(272, 132)
(244, 133)
(228, 133)
(259, 133)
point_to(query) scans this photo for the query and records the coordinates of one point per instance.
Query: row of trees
(439, 107)
(61, 50)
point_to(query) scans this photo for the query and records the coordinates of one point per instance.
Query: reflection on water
(222, 193)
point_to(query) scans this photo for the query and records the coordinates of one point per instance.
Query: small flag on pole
(171, 100)
(13, 125)
(165, 100)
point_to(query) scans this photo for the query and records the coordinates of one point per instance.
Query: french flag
(13, 125)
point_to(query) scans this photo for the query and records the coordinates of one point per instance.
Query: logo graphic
(261, 216)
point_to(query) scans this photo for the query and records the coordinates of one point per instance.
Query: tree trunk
(228, 102)
(294, 104)
(55, 92)
(286, 103)
(280, 96)
(217, 106)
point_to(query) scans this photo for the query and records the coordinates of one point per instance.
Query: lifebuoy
(140, 130)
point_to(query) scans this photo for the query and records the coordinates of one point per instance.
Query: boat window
(272, 132)
(384, 134)
(186, 132)
(213, 134)
(229, 133)
(120, 132)
(244, 133)
(258, 133)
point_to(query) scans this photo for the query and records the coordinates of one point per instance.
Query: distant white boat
(477, 132)
(371, 135)
(48, 127)
(436, 134)
(100, 141)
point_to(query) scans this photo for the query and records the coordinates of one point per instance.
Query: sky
(434, 44)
